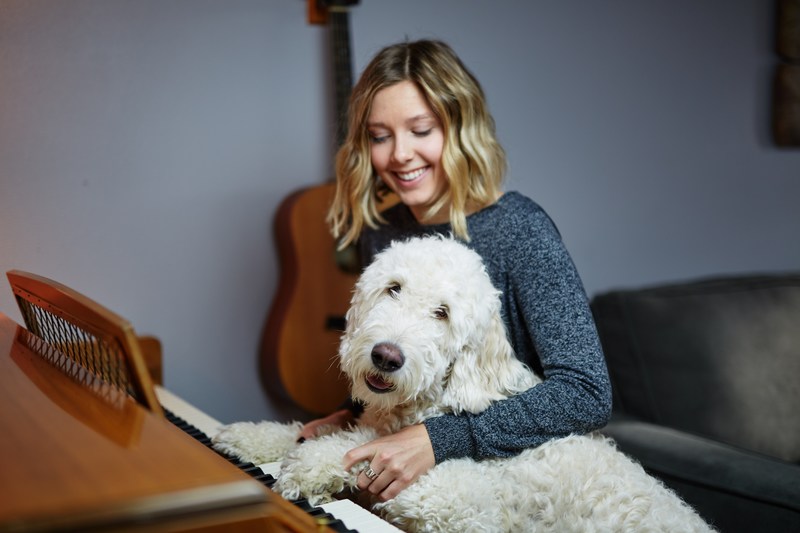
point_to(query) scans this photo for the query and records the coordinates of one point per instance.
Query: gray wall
(145, 145)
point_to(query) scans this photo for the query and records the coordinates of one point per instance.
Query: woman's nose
(402, 152)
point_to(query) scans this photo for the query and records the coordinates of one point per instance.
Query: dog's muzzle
(386, 358)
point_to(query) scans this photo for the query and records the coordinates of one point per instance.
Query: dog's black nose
(387, 357)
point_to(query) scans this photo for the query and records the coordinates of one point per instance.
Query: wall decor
(786, 83)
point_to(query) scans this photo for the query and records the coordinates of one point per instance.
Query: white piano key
(357, 518)
(271, 468)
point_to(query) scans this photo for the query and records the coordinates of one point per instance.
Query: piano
(76, 455)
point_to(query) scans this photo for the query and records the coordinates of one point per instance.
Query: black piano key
(252, 470)
(303, 504)
(175, 419)
(235, 461)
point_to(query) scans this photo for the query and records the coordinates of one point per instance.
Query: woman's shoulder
(515, 201)
(515, 211)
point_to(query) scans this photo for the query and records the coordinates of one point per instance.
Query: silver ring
(370, 473)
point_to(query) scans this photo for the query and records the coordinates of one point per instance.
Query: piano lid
(73, 455)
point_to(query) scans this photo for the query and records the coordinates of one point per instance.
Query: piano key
(356, 517)
(205, 423)
(271, 468)
(341, 515)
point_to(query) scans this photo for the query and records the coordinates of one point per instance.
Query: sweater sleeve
(551, 327)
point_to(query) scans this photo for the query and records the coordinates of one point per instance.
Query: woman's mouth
(411, 176)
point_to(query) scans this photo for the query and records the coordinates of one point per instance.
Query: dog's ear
(485, 370)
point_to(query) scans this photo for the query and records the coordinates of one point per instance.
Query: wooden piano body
(76, 455)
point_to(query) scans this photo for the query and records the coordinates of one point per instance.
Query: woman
(419, 126)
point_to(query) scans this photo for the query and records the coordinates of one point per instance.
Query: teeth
(411, 175)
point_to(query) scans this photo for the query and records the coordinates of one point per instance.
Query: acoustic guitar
(298, 360)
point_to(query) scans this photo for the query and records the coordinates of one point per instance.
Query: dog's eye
(393, 290)
(441, 312)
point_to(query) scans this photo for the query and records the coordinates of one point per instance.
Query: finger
(356, 455)
(365, 478)
(391, 490)
(306, 433)
(392, 483)
(388, 494)
(376, 484)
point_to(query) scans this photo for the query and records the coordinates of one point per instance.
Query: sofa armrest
(735, 336)
(732, 488)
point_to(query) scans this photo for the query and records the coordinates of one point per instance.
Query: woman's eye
(423, 133)
(378, 139)
(393, 290)
(441, 312)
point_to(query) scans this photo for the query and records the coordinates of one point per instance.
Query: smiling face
(406, 143)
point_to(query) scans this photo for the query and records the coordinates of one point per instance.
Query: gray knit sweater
(550, 325)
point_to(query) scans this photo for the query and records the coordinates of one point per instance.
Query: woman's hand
(395, 461)
(338, 419)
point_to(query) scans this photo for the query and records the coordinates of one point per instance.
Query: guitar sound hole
(335, 323)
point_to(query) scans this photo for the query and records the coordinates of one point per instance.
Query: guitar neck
(342, 67)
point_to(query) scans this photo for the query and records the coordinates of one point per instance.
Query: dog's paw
(314, 471)
(262, 442)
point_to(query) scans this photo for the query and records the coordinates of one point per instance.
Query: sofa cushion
(733, 489)
(718, 358)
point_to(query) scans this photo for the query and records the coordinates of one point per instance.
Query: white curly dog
(424, 337)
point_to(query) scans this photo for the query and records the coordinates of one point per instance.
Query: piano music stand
(94, 337)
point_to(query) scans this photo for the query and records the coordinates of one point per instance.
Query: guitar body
(299, 349)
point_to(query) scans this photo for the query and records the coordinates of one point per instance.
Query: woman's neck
(443, 215)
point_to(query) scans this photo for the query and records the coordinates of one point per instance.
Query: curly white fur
(430, 300)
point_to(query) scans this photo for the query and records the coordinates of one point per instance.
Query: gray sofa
(706, 383)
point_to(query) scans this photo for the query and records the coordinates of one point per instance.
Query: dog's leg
(258, 443)
(314, 469)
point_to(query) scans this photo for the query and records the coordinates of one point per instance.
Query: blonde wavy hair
(474, 163)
